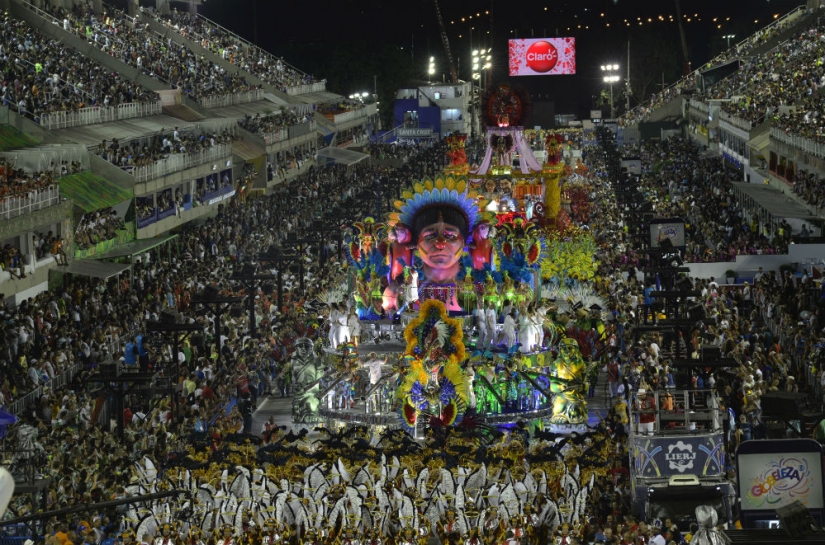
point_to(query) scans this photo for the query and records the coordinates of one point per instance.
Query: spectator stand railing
(179, 161)
(99, 114)
(292, 131)
(19, 405)
(12, 206)
(114, 348)
(807, 145)
(44, 14)
(318, 87)
(277, 136)
(739, 122)
(221, 101)
(699, 106)
(349, 116)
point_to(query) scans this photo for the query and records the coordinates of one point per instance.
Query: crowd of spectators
(269, 68)
(147, 151)
(283, 161)
(97, 226)
(19, 181)
(42, 75)
(780, 78)
(263, 124)
(93, 321)
(76, 325)
(676, 177)
(810, 187)
(727, 86)
(770, 327)
(392, 151)
(153, 55)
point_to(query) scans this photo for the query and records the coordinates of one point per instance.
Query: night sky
(602, 29)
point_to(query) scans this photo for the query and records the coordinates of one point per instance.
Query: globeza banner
(770, 481)
(701, 455)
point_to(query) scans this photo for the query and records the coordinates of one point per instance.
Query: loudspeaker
(795, 519)
(783, 404)
(167, 317)
(210, 292)
(711, 353)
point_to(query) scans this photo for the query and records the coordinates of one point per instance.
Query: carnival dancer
(354, 326)
(333, 325)
(492, 526)
(508, 330)
(343, 328)
(525, 330)
(166, 536)
(373, 364)
(349, 536)
(448, 529)
(227, 536)
(272, 532)
(481, 325)
(537, 322)
(492, 323)
(412, 285)
(516, 527)
(373, 537)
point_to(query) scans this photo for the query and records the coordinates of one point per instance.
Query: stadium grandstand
(758, 107)
(121, 127)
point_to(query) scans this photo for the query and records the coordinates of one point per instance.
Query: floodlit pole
(611, 77)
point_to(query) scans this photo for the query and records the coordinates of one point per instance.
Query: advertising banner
(667, 228)
(542, 57)
(770, 481)
(702, 455)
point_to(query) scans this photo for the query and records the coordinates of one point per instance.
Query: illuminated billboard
(770, 481)
(672, 229)
(774, 473)
(542, 57)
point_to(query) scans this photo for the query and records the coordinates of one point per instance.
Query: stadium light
(431, 69)
(610, 78)
(482, 60)
(728, 37)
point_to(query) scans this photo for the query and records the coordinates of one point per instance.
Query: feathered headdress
(438, 195)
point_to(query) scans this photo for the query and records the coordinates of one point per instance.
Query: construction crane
(446, 42)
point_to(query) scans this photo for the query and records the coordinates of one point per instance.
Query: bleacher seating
(231, 47)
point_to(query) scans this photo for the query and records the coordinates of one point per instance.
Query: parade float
(491, 236)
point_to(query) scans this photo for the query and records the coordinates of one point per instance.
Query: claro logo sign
(542, 56)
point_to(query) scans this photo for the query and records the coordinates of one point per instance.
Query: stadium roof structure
(340, 156)
(318, 98)
(773, 201)
(123, 130)
(134, 247)
(96, 269)
(262, 107)
(12, 139)
(92, 192)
